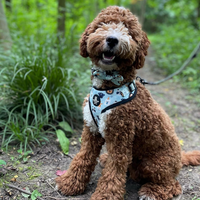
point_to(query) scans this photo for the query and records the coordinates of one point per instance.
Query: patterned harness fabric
(102, 100)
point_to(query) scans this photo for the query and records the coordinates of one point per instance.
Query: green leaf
(35, 194)
(2, 162)
(20, 151)
(65, 126)
(64, 141)
(26, 195)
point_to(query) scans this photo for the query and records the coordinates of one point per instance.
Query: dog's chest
(89, 120)
(101, 103)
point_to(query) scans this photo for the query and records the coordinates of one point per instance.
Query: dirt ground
(39, 171)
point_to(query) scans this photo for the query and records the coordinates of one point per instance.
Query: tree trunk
(9, 5)
(143, 9)
(5, 38)
(61, 19)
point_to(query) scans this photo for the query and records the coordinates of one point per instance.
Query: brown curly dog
(139, 135)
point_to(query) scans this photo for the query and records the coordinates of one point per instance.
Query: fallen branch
(21, 190)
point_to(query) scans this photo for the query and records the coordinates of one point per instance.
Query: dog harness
(102, 100)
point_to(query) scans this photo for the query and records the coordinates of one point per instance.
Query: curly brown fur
(139, 135)
(78, 175)
(129, 60)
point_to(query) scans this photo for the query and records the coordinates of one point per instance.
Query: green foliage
(26, 195)
(24, 155)
(195, 198)
(172, 47)
(170, 12)
(177, 36)
(35, 194)
(64, 141)
(42, 82)
(66, 126)
(39, 17)
(40, 85)
(2, 162)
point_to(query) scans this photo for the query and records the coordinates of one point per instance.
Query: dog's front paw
(105, 196)
(146, 198)
(69, 185)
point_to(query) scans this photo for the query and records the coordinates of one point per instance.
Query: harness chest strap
(102, 100)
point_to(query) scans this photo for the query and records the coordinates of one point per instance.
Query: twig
(70, 156)
(21, 190)
(52, 187)
(41, 157)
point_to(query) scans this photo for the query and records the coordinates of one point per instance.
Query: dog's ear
(142, 51)
(83, 41)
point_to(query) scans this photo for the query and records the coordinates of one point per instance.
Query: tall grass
(39, 87)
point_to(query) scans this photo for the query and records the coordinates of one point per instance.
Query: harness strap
(102, 100)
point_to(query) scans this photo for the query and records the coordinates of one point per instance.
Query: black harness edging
(131, 94)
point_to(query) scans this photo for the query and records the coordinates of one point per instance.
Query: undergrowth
(39, 87)
(172, 47)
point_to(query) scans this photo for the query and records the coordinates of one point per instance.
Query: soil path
(39, 172)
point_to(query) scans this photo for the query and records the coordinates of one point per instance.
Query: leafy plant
(2, 162)
(177, 26)
(195, 198)
(42, 81)
(64, 141)
(24, 155)
(35, 194)
(39, 88)
(172, 47)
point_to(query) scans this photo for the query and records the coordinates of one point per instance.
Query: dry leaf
(14, 179)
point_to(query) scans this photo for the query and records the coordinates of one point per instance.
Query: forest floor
(38, 170)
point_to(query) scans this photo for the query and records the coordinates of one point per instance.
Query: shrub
(40, 86)
(172, 47)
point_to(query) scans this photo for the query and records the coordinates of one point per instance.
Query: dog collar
(102, 100)
(113, 76)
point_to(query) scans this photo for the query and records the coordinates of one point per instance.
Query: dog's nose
(111, 41)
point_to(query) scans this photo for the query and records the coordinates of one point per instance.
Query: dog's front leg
(119, 141)
(78, 175)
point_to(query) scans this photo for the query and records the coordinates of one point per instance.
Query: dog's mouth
(108, 58)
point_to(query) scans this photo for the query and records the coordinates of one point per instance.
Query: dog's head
(115, 39)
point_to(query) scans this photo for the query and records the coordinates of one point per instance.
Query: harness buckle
(131, 87)
(143, 81)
